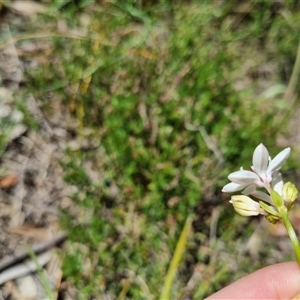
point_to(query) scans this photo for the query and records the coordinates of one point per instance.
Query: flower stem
(292, 235)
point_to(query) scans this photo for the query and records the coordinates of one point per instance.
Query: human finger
(280, 281)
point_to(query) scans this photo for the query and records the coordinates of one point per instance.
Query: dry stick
(37, 248)
(25, 268)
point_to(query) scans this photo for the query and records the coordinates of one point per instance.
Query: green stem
(292, 235)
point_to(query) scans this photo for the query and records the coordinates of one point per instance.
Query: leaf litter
(31, 191)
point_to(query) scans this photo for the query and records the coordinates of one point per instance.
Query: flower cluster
(263, 182)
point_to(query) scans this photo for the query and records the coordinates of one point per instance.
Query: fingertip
(296, 297)
(280, 281)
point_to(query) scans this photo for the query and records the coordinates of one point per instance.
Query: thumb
(280, 281)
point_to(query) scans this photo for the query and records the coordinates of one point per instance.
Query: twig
(24, 268)
(37, 248)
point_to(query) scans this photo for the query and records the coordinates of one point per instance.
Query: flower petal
(260, 160)
(263, 196)
(233, 187)
(278, 161)
(249, 189)
(243, 177)
(246, 213)
(277, 183)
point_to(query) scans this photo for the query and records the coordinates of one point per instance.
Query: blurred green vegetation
(167, 98)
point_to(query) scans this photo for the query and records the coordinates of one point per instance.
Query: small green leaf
(276, 198)
(269, 209)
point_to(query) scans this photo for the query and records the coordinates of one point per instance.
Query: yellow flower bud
(245, 206)
(289, 194)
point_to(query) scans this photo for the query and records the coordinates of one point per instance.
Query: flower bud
(245, 206)
(289, 194)
(272, 219)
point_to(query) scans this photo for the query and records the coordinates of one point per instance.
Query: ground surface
(42, 133)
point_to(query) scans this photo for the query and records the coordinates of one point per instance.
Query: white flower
(245, 206)
(264, 166)
(264, 174)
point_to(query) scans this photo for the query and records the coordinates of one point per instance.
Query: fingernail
(296, 297)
